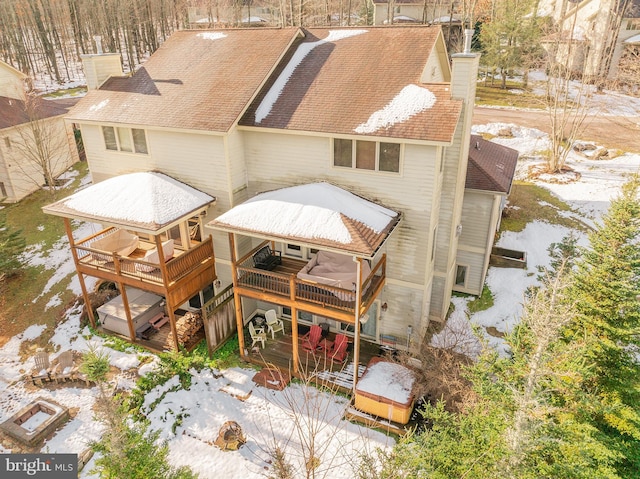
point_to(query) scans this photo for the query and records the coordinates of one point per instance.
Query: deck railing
(177, 267)
(279, 284)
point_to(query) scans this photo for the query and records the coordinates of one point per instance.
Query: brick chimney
(100, 66)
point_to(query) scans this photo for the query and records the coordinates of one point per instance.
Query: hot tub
(386, 390)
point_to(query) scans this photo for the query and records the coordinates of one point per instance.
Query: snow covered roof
(319, 214)
(365, 81)
(633, 39)
(144, 201)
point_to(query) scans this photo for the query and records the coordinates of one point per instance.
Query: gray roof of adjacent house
(491, 166)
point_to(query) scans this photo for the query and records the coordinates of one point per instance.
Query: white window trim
(117, 138)
(377, 160)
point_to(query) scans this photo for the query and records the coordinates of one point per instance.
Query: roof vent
(477, 145)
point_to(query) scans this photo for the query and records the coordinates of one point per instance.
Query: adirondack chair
(257, 335)
(273, 323)
(42, 368)
(311, 340)
(66, 368)
(338, 352)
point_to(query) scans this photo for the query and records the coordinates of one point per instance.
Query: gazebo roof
(147, 202)
(317, 214)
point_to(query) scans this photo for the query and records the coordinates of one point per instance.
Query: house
(341, 143)
(604, 34)
(33, 135)
(387, 12)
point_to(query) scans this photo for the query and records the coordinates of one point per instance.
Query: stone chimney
(100, 66)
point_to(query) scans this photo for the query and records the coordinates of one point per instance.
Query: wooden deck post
(165, 280)
(356, 326)
(127, 311)
(83, 286)
(294, 323)
(236, 296)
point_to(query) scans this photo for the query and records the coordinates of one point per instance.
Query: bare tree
(41, 148)
(303, 451)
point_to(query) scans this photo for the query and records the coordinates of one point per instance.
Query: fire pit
(35, 422)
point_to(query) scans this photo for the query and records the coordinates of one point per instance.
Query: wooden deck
(278, 352)
(282, 286)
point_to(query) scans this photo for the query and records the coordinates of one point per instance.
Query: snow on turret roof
(145, 200)
(320, 213)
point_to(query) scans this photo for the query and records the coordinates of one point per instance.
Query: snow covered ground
(190, 420)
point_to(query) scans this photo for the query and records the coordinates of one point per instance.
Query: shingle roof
(339, 84)
(318, 214)
(142, 201)
(13, 112)
(491, 166)
(201, 80)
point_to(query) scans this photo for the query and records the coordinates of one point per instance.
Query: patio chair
(42, 368)
(273, 323)
(65, 368)
(338, 352)
(311, 340)
(257, 335)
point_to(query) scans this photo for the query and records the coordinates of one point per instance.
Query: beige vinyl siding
(23, 175)
(404, 308)
(433, 70)
(477, 209)
(475, 265)
(278, 160)
(237, 167)
(98, 68)
(10, 83)
(198, 160)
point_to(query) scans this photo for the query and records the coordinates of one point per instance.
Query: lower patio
(316, 366)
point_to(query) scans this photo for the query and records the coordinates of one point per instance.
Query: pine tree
(607, 293)
(11, 245)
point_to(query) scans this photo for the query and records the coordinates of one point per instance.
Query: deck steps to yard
(354, 415)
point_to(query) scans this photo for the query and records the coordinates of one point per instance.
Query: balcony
(282, 286)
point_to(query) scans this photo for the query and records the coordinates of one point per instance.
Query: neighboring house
(375, 114)
(386, 12)
(246, 13)
(602, 32)
(489, 178)
(21, 121)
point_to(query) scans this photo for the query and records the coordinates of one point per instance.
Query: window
(366, 155)
(633, 25)
(461, 275)
(125, 139)
(7, 141)
(3, 190)
(342, 152)
(293, 250)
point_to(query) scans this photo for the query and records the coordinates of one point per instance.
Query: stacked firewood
(188, 326)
